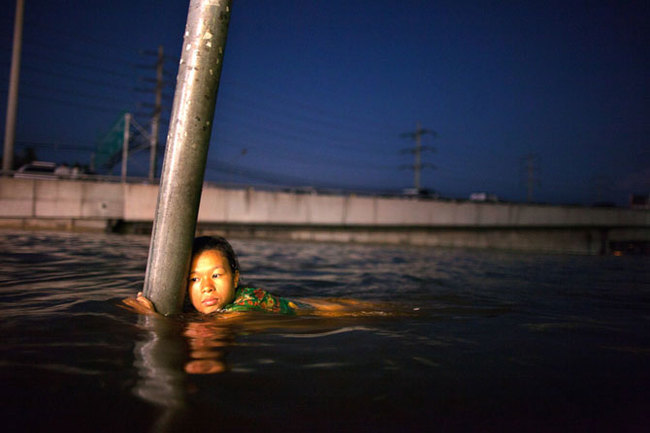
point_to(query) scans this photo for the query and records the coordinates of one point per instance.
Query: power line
(55, 145)
(288, 101)
(70, 103)
(74, 77)
(293, 128)
(71, 52)
(77, 65)
(31, 85)
(268, 108)
(45, 26)
(289, 154)
(289, 133)
(271, 178)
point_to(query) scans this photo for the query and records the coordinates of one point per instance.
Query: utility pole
(417, 151)
(601, 184)
(183, 169)
(12, 98)
(155, 121)
(531, 166)
(125, 144)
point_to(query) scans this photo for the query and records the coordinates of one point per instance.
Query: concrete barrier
(87, 205)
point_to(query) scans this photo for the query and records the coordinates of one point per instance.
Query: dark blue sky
(318, 92)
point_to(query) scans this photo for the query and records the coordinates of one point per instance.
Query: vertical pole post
(530, 168)
(12, 98)
(155, 121)
(418, 160)
(186, 153)
(125, 144)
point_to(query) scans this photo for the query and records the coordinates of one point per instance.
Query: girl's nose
(207, 287)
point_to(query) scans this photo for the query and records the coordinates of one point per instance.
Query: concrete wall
(85, 205)
(265, 207)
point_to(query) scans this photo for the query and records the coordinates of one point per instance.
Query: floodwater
(452, 340)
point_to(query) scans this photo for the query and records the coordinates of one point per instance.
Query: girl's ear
(236, 279)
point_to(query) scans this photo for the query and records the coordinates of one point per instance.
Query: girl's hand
(140, 304)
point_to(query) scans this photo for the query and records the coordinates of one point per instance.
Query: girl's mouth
(210, 302)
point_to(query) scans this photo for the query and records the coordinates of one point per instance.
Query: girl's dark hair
(205, 243)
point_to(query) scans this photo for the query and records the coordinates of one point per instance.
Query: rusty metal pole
(185, 156)
(12, 98)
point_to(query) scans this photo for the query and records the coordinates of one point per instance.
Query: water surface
(458, 340)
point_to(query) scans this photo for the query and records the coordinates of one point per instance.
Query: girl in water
(213, 284)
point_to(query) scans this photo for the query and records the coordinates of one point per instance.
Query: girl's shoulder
(256, 299)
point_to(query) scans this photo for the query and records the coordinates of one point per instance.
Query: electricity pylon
(417, 152)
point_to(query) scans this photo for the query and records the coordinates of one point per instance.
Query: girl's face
(212, 283)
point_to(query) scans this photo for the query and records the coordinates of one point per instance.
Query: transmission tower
(417, 152)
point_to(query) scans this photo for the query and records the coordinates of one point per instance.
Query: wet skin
(211, 283)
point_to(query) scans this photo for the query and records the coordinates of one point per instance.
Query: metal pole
(418, 162)
(125, 144)
(155, 121)
(185, 157)
(12, 98)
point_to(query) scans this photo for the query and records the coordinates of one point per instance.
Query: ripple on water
(462, 332)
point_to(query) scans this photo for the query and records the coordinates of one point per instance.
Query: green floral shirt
(252, 299)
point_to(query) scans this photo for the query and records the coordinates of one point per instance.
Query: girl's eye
(216, 275)
(194, 279)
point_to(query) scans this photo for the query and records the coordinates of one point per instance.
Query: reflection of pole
(125, 144)
(187, 149)
(159, 359)
(155, 122)
(12, 99)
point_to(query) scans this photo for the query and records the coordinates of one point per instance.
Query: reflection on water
(167, 352)
(208, 343)
(442, 339)
(159, 358)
